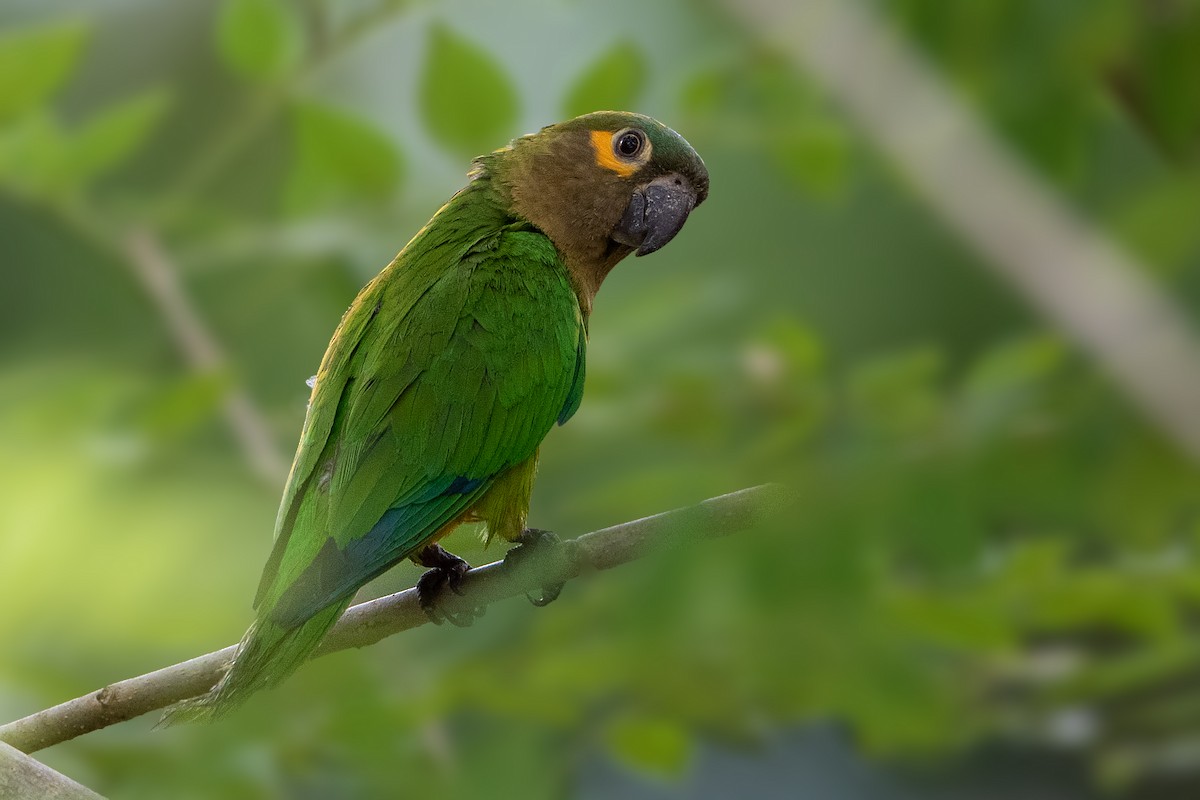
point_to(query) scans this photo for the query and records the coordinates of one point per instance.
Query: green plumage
(450, 368)
(439, 385)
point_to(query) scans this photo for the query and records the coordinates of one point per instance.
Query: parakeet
(449, 369)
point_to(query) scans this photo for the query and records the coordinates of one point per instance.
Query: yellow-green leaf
(34, 62)
(258, 38)
(1015, 365)
(612, 83)
(816, 153)
(114, 134)
(338, 157)
(31, 151)
(39, 156)
(467, 100)
(651, 744)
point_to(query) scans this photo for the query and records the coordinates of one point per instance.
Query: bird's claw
(446, 571)
(536, 542)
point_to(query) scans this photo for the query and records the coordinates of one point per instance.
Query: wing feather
(401, 440)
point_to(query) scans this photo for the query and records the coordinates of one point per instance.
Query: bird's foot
(537, 543)
(446, 571)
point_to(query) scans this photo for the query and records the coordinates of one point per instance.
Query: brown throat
(557, 186)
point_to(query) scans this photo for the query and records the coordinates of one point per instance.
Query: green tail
(267, 654)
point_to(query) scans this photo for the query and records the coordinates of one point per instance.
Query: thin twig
(159, 275)
(367, 623)
(222, 150)
(160, 278)
(142, 254)
(1096, 293)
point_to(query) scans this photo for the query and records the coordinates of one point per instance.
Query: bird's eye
(629, 143)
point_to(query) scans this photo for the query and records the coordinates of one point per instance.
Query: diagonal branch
(151, 264)
(160, 279)
(367, 623)
(1066, 268)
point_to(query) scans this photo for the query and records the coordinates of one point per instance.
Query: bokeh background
(989, 585)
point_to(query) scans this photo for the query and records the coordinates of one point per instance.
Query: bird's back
(450, 368)
(446, 372)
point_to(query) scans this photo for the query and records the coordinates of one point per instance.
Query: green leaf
(31, 151)
(1015, 365)
(258, 38)
(179, 406)
(337, 158)
(1004, 382)
(467, 100)
(705, 93)
(37, 155)
(612, 83)
(899, 396)
(1158, 221)
(34, 62)
(782, 114)
(816, 154)
(651, 744)
(111, 136)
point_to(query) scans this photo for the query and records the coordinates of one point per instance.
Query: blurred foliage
(34, 62)
(338, 159)
(786, 118)
(258, 38)
(989, 544)
(613, 81)
(468, 102)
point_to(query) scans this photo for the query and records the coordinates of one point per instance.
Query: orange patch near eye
(602, 145)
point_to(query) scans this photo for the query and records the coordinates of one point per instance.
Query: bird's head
(601, 186)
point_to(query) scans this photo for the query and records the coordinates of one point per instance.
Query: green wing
(440, 378)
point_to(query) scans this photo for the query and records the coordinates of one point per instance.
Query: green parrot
(449, 369)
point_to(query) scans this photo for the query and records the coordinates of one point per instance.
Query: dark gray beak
(656, 212)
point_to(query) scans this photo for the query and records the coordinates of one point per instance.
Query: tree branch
(160, 279)
(367, 623)
(151, 264)
(1077, 277)
(22, 778)
(156, 274)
